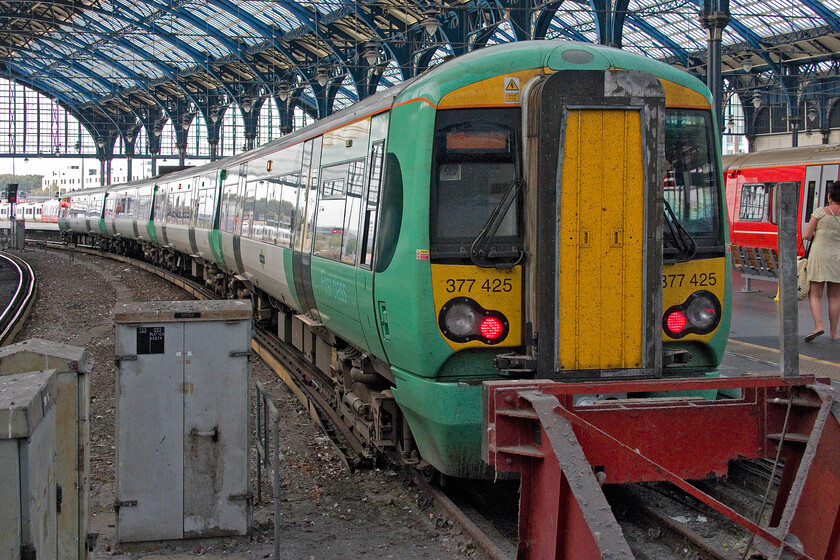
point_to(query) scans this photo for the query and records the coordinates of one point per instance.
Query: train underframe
(355, 385)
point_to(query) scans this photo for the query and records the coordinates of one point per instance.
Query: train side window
(372, 204)
(755, 202)
(286, 192)
(205, 208)
(329, 225)
(248, 209)
(230, 202)
(159, 204)
(144, 203)
(339, 210)
(810, 199)
(110, 207)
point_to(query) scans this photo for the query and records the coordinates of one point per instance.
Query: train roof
(439, 80)
(803, 155)
(556, 55)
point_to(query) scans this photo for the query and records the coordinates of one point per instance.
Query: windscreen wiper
(683, 242)
(481, 252)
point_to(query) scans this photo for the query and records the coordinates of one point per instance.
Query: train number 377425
(490, 285)
(696, 280)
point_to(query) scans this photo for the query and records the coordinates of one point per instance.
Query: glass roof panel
(161, 49)
(390, 77)
(769, 18)
(578, 20)
(220, 22)
(503, 34)
(52, 49)
(273, 14)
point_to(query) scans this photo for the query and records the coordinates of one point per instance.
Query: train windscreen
(473, 184)
(692, 193)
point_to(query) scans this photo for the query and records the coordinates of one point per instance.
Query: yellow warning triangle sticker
(512, 86)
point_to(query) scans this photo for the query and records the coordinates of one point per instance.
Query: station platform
(754, 336)
(31, 226)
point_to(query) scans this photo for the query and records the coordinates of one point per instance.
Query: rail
(15, 313)
(268, 455)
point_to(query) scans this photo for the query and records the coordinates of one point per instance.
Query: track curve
(18, 287)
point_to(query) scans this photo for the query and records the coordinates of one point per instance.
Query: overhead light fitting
(431, 23)
(100, 142)
(283, 90)
(748, 66)
(214, 116)
(371, 54)
(322, 76)
(247, 105)
(757, 100)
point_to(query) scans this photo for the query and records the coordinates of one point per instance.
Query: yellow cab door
(597, 275)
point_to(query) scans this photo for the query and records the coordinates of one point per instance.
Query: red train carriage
(750, 179)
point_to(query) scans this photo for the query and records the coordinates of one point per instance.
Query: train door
(370, 211)
(302, 248)
(599, 143)
(815, 190)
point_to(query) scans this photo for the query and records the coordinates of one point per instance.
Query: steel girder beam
(609, 17)
(663, 40)
(544, 17)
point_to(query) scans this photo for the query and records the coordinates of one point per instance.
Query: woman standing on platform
(824, 263)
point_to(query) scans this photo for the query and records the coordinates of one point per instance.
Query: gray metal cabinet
(182, 419)
(72, 366)
(27, 465)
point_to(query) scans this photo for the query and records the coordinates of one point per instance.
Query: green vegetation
(28, 185)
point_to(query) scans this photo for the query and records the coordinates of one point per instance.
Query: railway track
(18, 287)
(659, 520)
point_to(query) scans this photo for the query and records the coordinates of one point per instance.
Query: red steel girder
(533, 427)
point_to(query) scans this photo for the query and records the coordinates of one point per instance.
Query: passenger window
(287, 192)
(372, 204)
(248, 209)
(230, 202)
(160, 203)
(812, 188)
(755, 202)
(475, 165)
(339, 210)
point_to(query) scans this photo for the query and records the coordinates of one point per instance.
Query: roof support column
(609, 17)
(715, 18)
(214, 126)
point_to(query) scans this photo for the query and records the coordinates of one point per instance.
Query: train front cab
(570, 280)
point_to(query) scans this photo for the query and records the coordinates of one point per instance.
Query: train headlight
(462, 319)
(700, 314)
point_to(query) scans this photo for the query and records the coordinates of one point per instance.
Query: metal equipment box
(183, 374)
(72, 459)
(27, 465)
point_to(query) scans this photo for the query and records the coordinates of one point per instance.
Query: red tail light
(676, 322)
(491, 328)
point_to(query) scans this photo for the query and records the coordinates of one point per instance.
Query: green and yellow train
(537, 209)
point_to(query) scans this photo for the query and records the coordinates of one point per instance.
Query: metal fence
(268, 453)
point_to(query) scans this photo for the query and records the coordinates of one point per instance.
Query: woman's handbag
(802, 284)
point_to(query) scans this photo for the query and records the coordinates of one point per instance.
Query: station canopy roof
(113, 59)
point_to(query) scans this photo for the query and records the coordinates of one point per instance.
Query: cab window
(475, 166)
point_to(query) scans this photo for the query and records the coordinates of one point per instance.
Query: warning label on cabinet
(150, 340)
